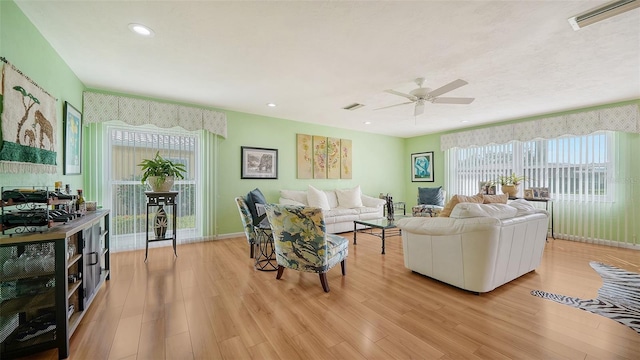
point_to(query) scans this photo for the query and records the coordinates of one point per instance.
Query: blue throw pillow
(255, 196)
(430, 196)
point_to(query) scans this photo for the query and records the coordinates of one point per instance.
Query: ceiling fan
(421, 95)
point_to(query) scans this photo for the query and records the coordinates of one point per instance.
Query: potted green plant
(510, 183)
(161, 173)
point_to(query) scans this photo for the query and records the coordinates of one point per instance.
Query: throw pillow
(255, 196)
(317, 198)
(456, 199)
(431, 196)
(495, 199)
(349, 198)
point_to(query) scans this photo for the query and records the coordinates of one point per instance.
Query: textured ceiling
(521, 58)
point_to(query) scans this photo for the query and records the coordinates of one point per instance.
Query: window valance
(625, 118)
(104, 107)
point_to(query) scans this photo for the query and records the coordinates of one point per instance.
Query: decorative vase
(511, 190)
(160, 223)
(390, 209)
(158, 185)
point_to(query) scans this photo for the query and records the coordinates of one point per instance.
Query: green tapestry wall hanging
(29, 125)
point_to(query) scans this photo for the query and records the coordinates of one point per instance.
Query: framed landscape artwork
(258, 163)
(72, 140)
(422, 167)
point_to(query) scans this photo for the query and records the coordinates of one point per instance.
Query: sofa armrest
(370, 201)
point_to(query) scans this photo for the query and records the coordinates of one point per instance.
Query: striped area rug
(618, 298)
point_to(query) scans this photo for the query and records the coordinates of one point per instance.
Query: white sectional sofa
(479, 247)
(340, 206)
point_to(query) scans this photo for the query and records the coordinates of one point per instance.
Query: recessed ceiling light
(464, 121)
(141, 30)
(367, 122)
(271, 105)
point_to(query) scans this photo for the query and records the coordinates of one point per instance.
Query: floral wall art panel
(319, 157)
(304, 156)
(346, 158)
(333, 158)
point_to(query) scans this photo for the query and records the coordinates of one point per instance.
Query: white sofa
(479, 247)
(338, 216)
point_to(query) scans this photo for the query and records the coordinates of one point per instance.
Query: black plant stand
(161, 199)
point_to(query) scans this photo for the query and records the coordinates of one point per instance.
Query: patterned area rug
(618, 298)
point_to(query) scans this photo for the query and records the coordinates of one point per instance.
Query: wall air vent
(602, 12)
(353, 106)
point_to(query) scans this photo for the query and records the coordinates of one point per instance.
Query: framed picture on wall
(72, 140)
(422, 167)
(258, 163)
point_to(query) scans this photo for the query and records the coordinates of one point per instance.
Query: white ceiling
(521, 58)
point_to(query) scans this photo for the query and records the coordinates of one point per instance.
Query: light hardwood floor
(209, 303)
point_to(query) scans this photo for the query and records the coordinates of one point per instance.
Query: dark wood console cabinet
(41, 281)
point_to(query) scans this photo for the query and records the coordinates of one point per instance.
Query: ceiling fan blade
(449, 87)
(410, 97)
(452, 100)
(419, 108)
(386, 107)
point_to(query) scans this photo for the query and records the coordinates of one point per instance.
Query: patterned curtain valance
(103, 107)
(625, 118)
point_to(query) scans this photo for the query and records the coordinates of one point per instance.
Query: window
(128, 146)
(572, 167)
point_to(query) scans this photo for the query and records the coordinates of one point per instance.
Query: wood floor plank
(152, 337)
(211, 303)
(178, 347)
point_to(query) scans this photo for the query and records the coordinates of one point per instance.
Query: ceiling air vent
(602, 12)
(353, 106)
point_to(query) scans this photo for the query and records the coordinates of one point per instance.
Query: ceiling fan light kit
(423, 94)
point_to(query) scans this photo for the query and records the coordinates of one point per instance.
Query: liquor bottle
(80, 205)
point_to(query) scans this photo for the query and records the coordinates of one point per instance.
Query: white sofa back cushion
(471, 210)
(349, 198)
(523, 207)
(317, 198)
(296, 195)
(284, 201)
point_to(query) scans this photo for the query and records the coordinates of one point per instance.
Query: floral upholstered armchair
(302, 243)
(430, 202)
(247, 223)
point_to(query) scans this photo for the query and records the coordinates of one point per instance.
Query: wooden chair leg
(280, 271)
(343, 265)
(324, 282)
(252, 246)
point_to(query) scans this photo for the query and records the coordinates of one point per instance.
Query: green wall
(381, 164)
(375, 157)
(615, 223)
(23, 45)
(376, 165)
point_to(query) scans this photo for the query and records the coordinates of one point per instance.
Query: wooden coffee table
(382, 224)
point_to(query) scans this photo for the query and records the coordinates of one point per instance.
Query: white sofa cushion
(284, 201)
(332, 198)
(471, 210)
(349, 198)
(317, 198)
(523, 207)
(296, 195)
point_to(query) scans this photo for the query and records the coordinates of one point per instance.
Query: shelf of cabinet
(28, 303)
(27, 275)
(73, 260)
(71, 288)
(74, 321)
